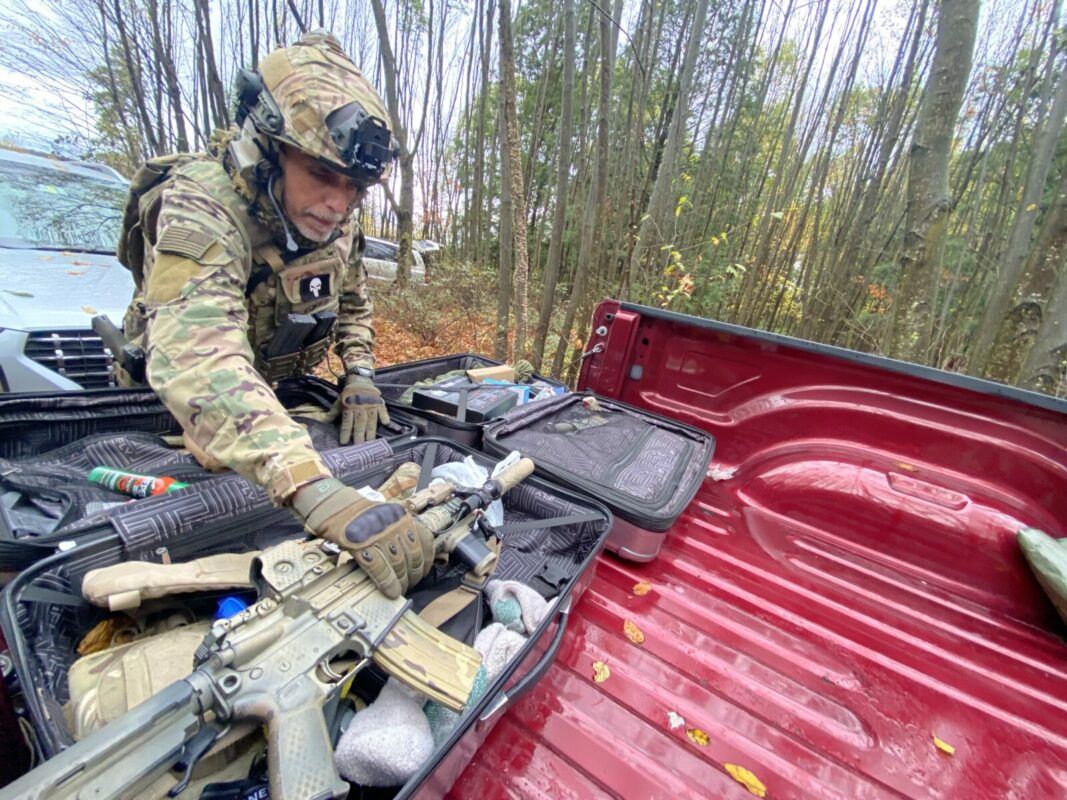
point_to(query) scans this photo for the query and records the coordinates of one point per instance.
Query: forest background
(884, 175)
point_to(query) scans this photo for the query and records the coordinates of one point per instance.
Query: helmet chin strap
(290, 242)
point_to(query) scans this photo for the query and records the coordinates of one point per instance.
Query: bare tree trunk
(505, 240)
(650, 234)
(598, 188)
(928, 203)
(559, 219)
(995, 347)
(405, 212)
(511, 162)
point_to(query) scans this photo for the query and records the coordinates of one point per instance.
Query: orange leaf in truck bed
(633, 633)
(697, 736)
(944, 747)
(642, 588)
(746, 779)
(600, 672)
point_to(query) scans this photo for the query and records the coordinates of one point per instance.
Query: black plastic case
(43, 616)
(644, 467)
(394, 381)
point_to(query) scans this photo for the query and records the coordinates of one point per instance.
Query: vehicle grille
(77, 355)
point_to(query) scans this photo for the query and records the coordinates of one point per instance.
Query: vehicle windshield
(55, 209)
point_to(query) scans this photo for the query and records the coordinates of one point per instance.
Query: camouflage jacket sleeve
(199, 357)
(355, 336)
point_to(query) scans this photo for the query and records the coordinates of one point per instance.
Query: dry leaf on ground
(944, 747)
(746, 779)
(88, 309)
(642, 588)
(633, 633)
(600, 672)
(697, 736)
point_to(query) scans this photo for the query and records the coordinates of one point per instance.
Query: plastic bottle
(130, 483)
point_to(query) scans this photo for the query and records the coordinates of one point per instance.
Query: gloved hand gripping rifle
(319, 619)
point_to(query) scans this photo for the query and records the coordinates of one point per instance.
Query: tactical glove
(362, 409)
(392, 547)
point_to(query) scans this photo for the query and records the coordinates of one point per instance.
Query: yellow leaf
(88, 309)
(633, 633)
(746, 779)
(944, 747)
(642, 588)
(1032, 207)
(907, 467)
(697, 736)
(600, 672)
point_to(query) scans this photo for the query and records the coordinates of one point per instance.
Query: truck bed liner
(844, 590)
(824, 673)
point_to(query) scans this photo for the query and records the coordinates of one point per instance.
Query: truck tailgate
(841, 605)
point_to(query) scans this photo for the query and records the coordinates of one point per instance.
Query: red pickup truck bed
(845, 588)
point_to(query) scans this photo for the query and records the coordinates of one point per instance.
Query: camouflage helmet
(312, 97)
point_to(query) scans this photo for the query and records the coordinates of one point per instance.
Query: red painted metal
(844, 589)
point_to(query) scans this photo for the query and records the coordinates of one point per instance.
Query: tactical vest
(292, 302)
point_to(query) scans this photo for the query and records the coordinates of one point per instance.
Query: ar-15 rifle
(318, 621)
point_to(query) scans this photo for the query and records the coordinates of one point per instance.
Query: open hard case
(644, 467)
(396, 383)
(547, 531)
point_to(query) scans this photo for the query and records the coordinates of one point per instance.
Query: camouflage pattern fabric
(201, 332)
(308, 81)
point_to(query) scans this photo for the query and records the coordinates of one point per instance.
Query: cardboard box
(501, 373)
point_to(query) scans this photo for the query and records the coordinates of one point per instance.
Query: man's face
(315, 198)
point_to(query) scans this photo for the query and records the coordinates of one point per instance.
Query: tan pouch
(124, 586)
(105, 685)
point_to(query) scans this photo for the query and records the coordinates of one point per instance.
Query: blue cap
(230, 606)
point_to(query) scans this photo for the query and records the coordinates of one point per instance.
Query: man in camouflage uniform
(223, 248)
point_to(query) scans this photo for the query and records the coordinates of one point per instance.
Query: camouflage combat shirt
(202, 327)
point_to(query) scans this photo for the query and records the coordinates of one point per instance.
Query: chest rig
(293, 306)
(292, 299)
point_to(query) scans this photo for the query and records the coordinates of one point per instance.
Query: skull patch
(314, 287)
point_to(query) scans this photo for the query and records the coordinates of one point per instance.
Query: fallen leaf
(642, 588)
(717, 473)
(633, 633)
(907, 467)
(75, 272)
(746, 779)
(88, 309)
(46, 258)
(600, 672)
(19, 292)
(697, 736)
(944, 747)
(81, 263)
(675, 720)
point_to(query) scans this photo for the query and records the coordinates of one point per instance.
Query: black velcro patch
(184, 241)
(314, 287)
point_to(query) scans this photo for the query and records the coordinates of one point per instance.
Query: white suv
(59, 221)
(380, 260)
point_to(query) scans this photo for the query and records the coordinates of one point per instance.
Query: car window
(386, 251)
(55, 209)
